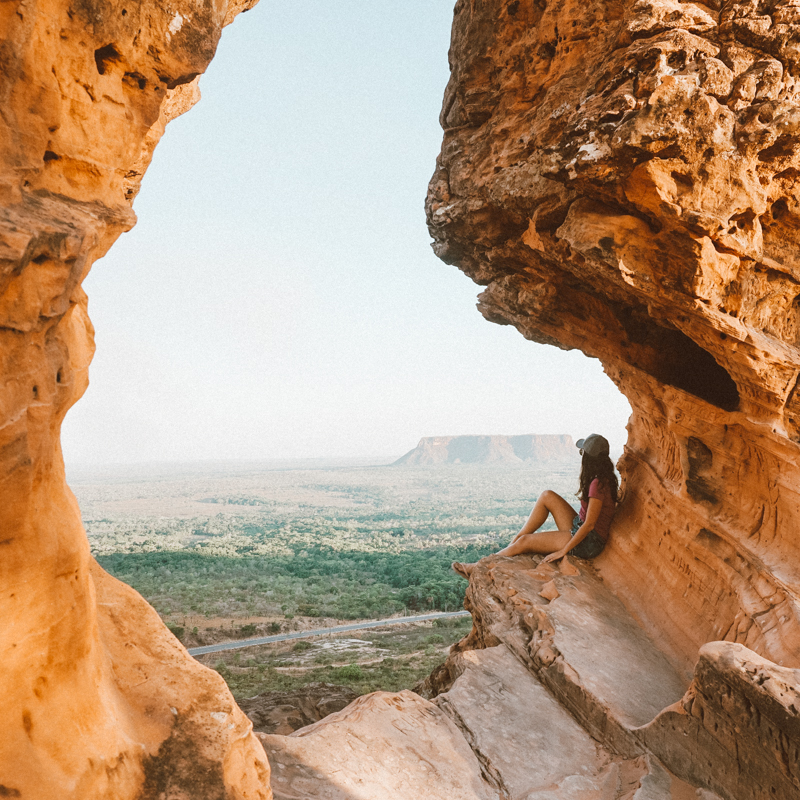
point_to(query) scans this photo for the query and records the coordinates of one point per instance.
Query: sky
(279, 297)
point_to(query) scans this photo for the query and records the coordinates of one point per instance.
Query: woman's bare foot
(464, 570)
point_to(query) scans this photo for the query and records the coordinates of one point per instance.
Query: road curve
(355, 626)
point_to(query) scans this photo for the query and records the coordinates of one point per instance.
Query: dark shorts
(591, 546)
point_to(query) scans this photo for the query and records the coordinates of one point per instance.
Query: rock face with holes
(100, 701)
(622, 177)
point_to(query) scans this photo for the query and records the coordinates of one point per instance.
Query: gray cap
(593, 445)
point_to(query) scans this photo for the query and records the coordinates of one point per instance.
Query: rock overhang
(621, 178)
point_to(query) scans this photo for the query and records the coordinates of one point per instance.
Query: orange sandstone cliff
(622, 177)
(99, 700)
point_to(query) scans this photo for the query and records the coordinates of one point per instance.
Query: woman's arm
(592, 515)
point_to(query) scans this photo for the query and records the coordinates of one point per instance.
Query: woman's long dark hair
(602, 468)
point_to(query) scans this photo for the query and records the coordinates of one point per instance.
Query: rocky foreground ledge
(557, 694)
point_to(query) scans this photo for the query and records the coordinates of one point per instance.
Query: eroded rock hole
(677, 59)
(782, 148)
(59, 377)
(49, 155)
(547, 50)
(687, 366)
(671, 357)
(683, 181)
(744, 221)
(105, 56)
(698, 482)
(134, 79)
(780, 208)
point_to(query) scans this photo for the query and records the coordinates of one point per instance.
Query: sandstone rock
(100, 700)
(622, 179)
(532, 749)
(734, 733)
(528, 745)
(584, 646)
(549, 591)
(544, 572)
(286, 712)
(381, 746)
(566, 567)
(741, 715)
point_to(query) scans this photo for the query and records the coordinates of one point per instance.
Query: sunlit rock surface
(544, 700)
(99, 700)
(383, 745)
(622, 177)
(731, 728)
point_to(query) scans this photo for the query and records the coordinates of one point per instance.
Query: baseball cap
(593, 445)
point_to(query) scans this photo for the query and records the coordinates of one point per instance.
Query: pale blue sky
(279, 297)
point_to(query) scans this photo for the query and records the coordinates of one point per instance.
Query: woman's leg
(542, 543)
(527, 540)
(549, 502)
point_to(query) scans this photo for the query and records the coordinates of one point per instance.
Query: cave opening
(282, 239)
(685, 365)
(674, 358)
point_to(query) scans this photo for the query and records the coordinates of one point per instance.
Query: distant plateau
(532, 447)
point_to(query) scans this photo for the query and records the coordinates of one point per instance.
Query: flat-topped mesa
(622, 178)
(100, 700)
(498, 450)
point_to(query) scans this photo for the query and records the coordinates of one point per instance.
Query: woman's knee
(548, 495)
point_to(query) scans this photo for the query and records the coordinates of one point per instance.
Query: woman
(584, 534)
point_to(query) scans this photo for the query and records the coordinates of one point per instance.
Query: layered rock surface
(623, 177)
(730, 727)
(544, 700)
(100, 701)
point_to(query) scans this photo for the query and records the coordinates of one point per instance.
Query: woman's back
(601, 491)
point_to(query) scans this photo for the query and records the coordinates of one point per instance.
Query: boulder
(383, 745)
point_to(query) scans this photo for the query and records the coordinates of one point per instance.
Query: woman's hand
(592, 515)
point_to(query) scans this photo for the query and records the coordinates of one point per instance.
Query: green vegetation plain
(387, 660)
(266, 550)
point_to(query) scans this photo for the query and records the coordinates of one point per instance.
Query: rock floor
(544, 703)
